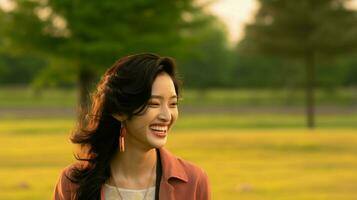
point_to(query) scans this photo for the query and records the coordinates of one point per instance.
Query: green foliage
(307, 32)
(19, 69)
(257, 71)
(89, 36)
(295, 28)
(349, 66)
(303, 30)
(207, 61)
(266, 72)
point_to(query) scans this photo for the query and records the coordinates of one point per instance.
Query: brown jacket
(180, 180)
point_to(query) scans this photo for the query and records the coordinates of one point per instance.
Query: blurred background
(269, 101)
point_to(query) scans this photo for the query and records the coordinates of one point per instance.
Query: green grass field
(246, 164)
(248, 156)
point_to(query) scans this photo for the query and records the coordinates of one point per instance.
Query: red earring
(121, 138)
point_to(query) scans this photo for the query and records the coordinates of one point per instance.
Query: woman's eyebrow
(161, 97)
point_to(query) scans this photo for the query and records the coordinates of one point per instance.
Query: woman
(122, 139)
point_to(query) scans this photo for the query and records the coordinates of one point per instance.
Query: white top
(110, 193)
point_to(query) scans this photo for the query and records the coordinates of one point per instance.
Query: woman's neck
(134, 168)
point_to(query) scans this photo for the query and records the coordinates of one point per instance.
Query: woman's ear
(120, 117)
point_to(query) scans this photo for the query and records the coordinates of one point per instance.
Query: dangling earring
(121, 138)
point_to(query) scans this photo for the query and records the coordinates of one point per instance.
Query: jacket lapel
(171, 169)
(171, 166)
(166, 190)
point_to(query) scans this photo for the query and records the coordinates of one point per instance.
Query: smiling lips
(159, 130)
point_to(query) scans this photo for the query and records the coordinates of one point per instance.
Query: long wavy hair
(124, 88)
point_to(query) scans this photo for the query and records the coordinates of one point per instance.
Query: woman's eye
(154, 104)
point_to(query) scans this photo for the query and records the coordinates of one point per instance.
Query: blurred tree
(351, 75)
(303, 30)
(22, 70)
(15, 68)
(207, 60)
(87, 36)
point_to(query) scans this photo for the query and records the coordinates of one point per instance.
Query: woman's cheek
(151, 113)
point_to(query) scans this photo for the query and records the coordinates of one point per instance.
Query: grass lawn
(246, 164)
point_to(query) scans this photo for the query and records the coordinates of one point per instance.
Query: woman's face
(150, 129)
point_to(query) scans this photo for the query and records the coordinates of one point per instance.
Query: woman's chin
(157, 141)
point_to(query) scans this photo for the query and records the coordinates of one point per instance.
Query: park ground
(249, 152)
(247, 163)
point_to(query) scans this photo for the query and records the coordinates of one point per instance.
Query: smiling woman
(151, 128)
(122, 138)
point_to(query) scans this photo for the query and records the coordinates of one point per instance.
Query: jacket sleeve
(64, 189)
(203, 188)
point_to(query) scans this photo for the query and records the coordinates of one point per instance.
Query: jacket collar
(171, 166)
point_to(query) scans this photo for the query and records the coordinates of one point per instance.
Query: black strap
(158, 174)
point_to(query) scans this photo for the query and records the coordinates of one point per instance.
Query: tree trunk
(310, 89)
(85, 77)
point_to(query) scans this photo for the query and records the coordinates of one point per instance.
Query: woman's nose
(165, 113)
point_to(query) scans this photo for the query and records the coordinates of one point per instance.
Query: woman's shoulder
(192, 170)
(67, 171)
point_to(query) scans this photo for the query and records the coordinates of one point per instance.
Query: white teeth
(159, 128)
